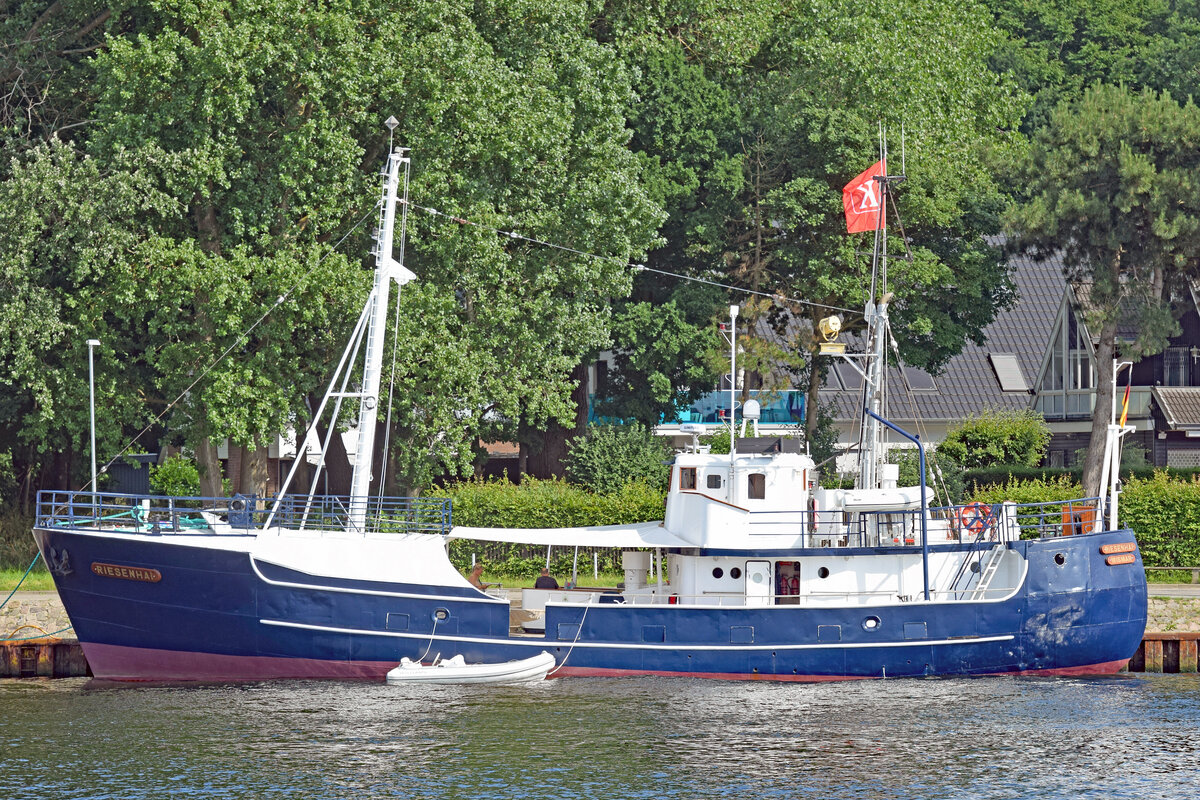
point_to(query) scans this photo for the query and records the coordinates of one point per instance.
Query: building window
(757, 486)
(687, 479)
(1175, 367)
(1067, 387)
(1058, 458)
(1008, 372)
(601, 379)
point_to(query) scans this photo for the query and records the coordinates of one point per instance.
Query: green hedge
(1163, 510)
(1165, 515)
(542, 504)
(991, 476)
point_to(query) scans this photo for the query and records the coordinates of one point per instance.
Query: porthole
(441, 614)
(1060, 559)
(823, 572)
(871, 623)
(718, 572)
(974, 566)
(735, 573)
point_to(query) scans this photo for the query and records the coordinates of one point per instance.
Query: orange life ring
(974, 517)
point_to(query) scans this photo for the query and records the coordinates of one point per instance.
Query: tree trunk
(1102, 414)
(210, 469)
(337, 475)
(253, 479)
(812, 398)
(548, 461)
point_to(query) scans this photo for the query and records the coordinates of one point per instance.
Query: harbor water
(1127, 736)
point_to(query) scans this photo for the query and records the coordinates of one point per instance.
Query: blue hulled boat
(755, 572)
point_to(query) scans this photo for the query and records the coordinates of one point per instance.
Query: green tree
(1057, 48)
(660, 364)
(69, 272)
(610, 456)
(254, 125)
(997, 438)
(1115, 187)
(752, 119)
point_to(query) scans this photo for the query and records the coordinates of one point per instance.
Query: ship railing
(959, 524)
(1058, 518)
(162, 515)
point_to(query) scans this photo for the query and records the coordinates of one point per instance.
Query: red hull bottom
(116, 663)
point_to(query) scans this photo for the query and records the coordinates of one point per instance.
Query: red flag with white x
(863, 200)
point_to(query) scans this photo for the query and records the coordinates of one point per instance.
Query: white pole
(92, 345)
(387, 269)
(733, 315)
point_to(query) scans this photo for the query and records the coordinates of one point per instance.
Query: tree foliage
(1055, 49)
(227, 147)
(611, 456)
(997, 437)
(1115, 187)
(250, 128)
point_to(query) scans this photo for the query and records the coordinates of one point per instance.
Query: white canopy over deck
(642, 534)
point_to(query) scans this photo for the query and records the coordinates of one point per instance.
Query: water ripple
(984, 739)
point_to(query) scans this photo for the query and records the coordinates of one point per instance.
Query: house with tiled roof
(1038, 354)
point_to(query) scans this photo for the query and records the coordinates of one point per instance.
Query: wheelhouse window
(756, 486)
(687, 479)
(714, 481)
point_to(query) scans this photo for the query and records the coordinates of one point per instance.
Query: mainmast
(877, 320)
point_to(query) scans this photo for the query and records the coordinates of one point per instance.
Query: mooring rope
(578, 633)
(23, 577)
(42, 635)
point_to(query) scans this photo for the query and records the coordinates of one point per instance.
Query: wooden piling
(1166, 651)
(42, 658)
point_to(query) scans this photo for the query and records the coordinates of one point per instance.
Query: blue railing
(158, 515)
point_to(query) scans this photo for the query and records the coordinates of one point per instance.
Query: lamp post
(92, 345)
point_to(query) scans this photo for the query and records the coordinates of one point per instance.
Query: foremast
(371, 322)
(387, 269)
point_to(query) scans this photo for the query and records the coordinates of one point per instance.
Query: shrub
(1034, 490)
(998, 437)
(175, 477)
(610, 456)
(548, 504)
(17, 547)
(718, 441)
(1165, 516)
